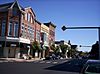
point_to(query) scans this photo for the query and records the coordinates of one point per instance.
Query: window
(37, 35)
(23, 17)
(28, 17)
(28, 29)
(10, 29)
(16, 26)
(52, 33)
(3, 28)
(31, 32)
(23, 30)
(31, 19)
(15, 11)
(22, 27)
(45, 37)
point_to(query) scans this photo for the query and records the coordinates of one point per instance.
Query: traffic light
(63, 28)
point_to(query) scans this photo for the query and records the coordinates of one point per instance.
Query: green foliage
(52, 47)
(64, 48)
(36, 46)
(57, 49)
(72, 52)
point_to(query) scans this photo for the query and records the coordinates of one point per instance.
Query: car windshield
(93, 69)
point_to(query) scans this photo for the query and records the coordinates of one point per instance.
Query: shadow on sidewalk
(69, 66)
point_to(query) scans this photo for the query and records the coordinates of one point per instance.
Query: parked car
(91, 67)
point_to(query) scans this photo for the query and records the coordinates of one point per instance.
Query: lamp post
(64, 28)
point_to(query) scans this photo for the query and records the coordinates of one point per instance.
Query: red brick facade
(19, 28)
(51, 32)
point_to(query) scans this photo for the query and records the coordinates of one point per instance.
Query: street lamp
(64, 28)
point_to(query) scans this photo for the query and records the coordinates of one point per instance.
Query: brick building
(51, 36)
(51, 32)
(44, 40)
(18, 29)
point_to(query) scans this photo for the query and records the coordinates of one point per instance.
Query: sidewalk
(17, 60)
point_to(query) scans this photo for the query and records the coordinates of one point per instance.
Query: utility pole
(64, 28)
(99, 41)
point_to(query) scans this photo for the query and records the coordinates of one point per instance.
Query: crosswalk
(41, 62)
(4, 61)
(49, 62)
(46, 62)
(38, 61)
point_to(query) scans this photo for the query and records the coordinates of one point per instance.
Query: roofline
(50, 23)
(31, 9)
(6, 3)
(18, 6)
(27, 7)
(38, 21)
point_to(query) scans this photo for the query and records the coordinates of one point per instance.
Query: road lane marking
(48, 62)
(42, 62)
(55, 62)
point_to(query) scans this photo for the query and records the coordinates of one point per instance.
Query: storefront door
(12, 52)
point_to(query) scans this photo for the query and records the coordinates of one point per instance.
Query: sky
(71, 13)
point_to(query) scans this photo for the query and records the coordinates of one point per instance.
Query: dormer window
(28, 16)
(15, 10)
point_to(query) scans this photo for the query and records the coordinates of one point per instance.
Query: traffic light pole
(64, 28)
(99, 41)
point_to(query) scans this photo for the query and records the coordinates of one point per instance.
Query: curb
(18, 60)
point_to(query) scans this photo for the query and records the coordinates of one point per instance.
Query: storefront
(13, 49)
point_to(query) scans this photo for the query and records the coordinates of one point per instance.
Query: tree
(36, 46)
(52, 47)
(72, 51)
(57, 50)
(94, 53)
(64, 49)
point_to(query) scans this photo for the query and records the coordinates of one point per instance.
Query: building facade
(19, 28)
(44, 40)
(51, 32)
(51, 36)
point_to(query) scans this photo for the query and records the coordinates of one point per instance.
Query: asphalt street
(42, 67)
